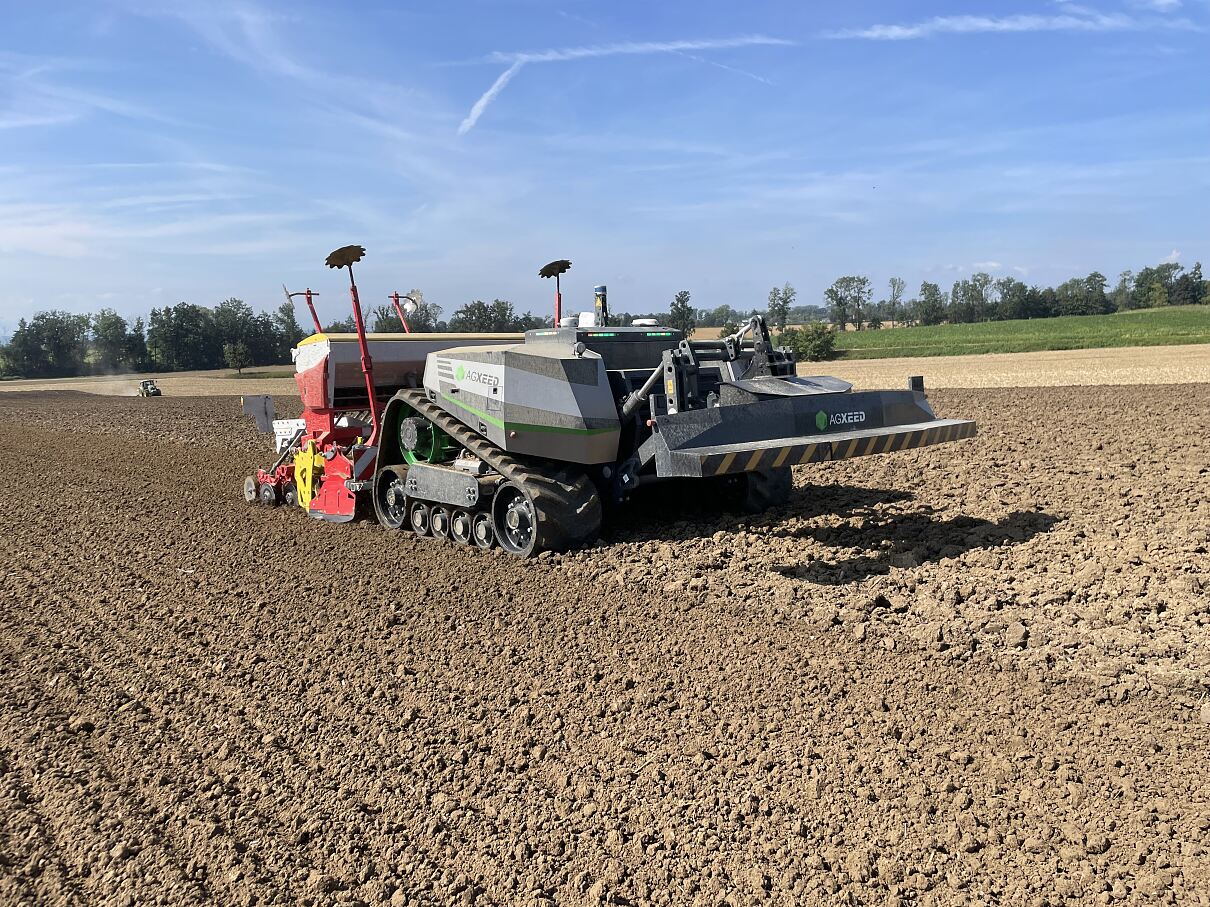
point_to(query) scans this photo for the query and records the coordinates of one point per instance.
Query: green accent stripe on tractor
(524, 426)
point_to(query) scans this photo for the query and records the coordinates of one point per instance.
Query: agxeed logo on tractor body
(823, 420)
(479, 377)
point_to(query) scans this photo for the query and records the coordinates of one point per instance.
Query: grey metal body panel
(619, 347)
(777, 453)
(544, 399)
(534, 398)
(809, 428)
(261, 408)
(443, 485)
(334, 361)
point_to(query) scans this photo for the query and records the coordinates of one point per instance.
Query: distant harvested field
(1050, 368)
(1123, 365)
(1148, 327)
(220, 382)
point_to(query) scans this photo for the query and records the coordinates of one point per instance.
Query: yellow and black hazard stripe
(823, 450)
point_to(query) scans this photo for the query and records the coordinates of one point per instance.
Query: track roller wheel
(390, 497)
(418, 518)
(439, 519)
(251, 492)
(515, 520)
(289, 494)
(460, 527)
(482, 531)
(268, 495)
(552, 512)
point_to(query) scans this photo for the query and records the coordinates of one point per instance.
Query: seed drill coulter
(521, 440)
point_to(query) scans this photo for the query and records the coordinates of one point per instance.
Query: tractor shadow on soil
(878, 528)
(691, 509)
(883, 541)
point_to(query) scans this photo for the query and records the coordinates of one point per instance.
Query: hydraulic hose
(639, 397)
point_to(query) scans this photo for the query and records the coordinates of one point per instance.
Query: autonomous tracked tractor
(523, 441)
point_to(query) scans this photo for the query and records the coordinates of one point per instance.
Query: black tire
(289, 494)
(268, 495)
(482, 531)
(418, 518)
(460, 527)
(251, 492)
(515, 520)
(390, 497)
(553, 512)
(439, 522)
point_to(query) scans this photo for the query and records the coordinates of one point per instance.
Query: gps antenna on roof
(554, 269)
(309, 296)
(345, 257)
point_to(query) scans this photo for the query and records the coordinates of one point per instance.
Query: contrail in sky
(488, 96)
(1081, 20)
(517, 60)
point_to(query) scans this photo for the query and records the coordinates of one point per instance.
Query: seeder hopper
(523, 441)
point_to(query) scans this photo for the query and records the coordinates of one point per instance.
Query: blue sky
(154, 151)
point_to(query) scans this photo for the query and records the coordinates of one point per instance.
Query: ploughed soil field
(970, 674)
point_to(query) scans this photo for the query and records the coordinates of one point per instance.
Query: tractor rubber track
(568, 507)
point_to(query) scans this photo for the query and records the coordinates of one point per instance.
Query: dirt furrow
(225, 762)
(965, 675)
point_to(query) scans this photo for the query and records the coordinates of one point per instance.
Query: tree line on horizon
(849, 301)
(186, 337)
(189, 337)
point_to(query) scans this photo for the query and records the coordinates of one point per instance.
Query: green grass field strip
(1152, 327)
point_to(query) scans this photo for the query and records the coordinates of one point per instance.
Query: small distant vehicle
(148, 389)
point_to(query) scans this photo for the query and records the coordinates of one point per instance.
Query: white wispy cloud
(1075, 18)
(41, 96)
(26, 120)
(684, 48)
(962, 25)
(85, 100)
(243, 31)
(38, 229)
(65, 230)
(488, 96)
(149, 202)
(635, 47)
(723, 66)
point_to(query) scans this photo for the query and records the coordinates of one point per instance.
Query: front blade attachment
(792, 430)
